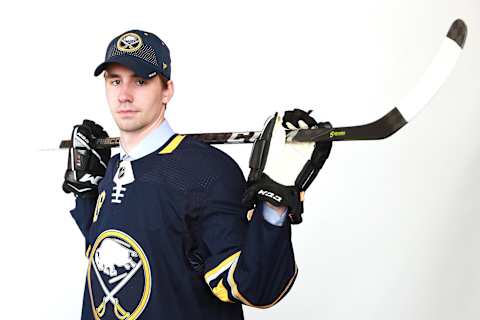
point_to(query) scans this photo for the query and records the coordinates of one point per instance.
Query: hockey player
(172, 229)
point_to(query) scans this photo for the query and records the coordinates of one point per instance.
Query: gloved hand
(281, 172)
(86, 166)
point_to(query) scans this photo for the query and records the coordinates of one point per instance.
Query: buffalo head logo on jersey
(115, 261)
(129, 42)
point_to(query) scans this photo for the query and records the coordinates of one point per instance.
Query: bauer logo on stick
(337, 134)
(129, 42)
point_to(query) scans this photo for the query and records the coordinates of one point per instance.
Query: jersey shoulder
(209, 158)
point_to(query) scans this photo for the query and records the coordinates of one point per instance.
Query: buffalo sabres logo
(115, 261)
(129, 42)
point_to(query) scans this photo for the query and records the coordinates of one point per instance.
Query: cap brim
(137, 65)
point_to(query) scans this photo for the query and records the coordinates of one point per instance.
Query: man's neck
(129, 140)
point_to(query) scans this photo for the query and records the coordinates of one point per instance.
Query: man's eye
(115, 82)
(140, 82)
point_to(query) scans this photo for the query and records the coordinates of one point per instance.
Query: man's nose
(125, 94)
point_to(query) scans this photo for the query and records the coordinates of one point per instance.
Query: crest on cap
(129, 42)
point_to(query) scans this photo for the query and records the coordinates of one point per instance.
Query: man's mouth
(126, 111)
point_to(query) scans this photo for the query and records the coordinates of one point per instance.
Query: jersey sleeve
(83, 213)
(249, 262)
(85, 207)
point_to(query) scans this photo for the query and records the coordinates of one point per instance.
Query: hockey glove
(281, 172)
(86, 166)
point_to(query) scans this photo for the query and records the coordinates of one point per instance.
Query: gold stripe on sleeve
(220, 268)
(221, 292)
(238, 295)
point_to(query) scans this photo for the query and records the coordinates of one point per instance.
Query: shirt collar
(151, 142)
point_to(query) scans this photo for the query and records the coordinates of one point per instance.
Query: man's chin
(129, 126)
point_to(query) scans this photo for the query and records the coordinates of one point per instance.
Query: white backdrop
(391, 227)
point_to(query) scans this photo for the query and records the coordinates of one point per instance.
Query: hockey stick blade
(438, 71)
(426, 88)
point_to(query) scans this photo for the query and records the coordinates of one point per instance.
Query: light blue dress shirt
(157, 137)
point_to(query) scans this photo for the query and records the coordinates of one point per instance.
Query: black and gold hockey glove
(281, 172)
(86, 166)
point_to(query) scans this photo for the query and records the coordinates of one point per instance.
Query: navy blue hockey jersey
(167, 238)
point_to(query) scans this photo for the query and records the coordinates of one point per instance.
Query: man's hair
(163, 81)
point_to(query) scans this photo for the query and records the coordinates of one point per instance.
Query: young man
(165, 220)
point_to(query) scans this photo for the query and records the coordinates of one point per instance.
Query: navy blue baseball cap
(140, 51)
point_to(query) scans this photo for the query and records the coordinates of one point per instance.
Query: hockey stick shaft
(427, 86)
(380, 129)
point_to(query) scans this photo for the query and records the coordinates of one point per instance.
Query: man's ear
(168, 92)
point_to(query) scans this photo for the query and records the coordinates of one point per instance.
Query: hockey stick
(427, 86)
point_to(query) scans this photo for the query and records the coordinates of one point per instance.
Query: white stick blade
(436, 74)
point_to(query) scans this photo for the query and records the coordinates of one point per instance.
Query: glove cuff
(266, 189)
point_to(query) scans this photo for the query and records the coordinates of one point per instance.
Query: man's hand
(279, 210)
(281, 172)
(86, 166)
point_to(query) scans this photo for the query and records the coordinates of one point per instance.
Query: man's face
(135, 103)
